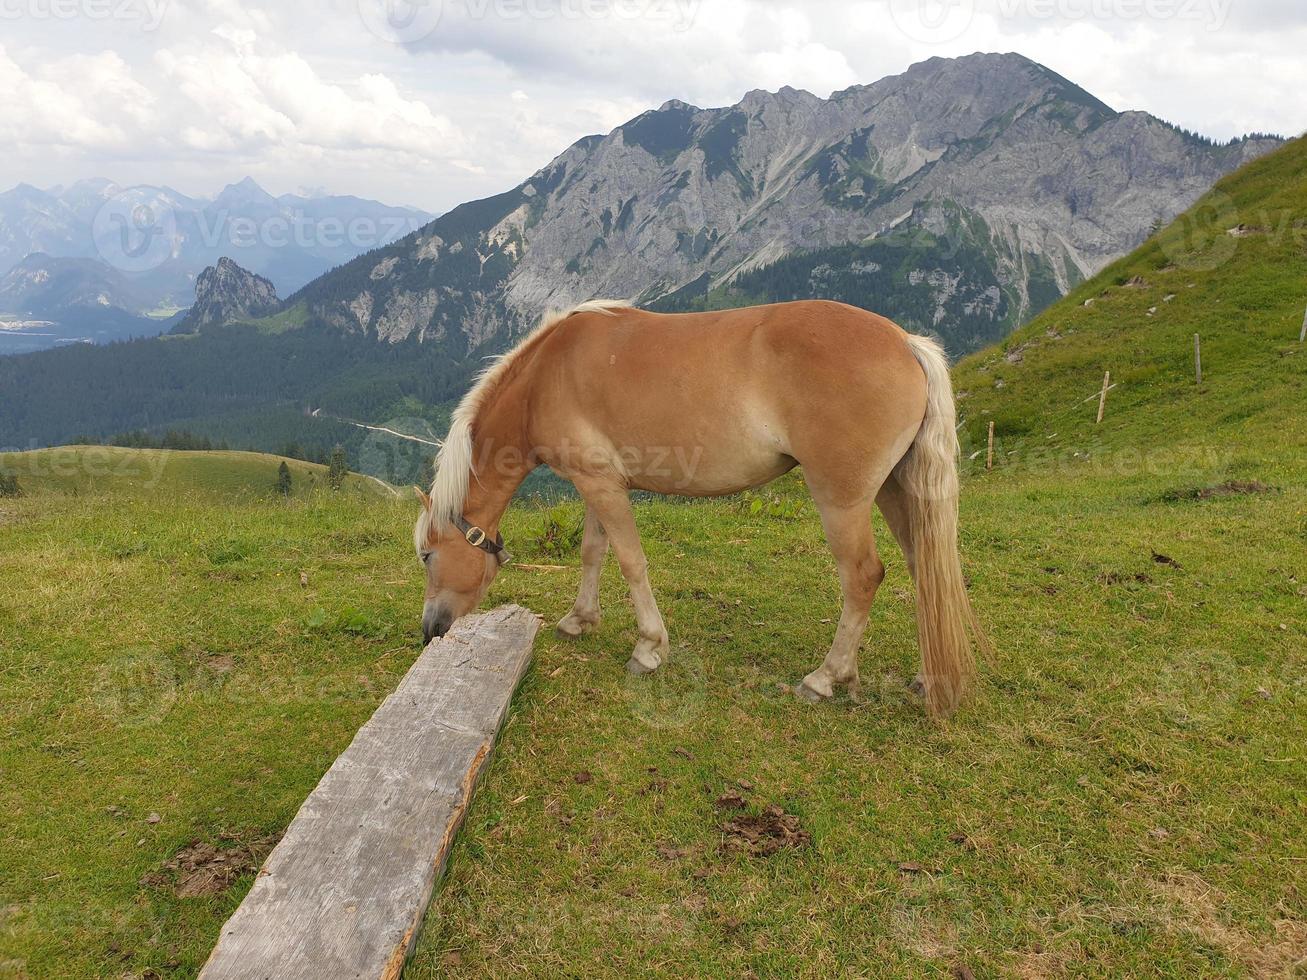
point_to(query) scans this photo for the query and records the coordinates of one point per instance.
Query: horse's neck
(500, 460)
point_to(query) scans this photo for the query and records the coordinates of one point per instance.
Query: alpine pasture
(1123, 794)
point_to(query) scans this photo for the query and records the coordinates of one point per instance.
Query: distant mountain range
(958, 198)
(153, 242)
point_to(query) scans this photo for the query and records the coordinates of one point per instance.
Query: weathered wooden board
(343, 894)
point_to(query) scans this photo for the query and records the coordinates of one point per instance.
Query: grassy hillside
(1244, 294)
(1124, 796)
(100, 470)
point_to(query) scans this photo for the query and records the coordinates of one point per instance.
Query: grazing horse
(615, 398)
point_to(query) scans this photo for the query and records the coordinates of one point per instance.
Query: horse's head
(460, 565)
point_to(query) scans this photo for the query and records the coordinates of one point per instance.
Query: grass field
(1125, 794)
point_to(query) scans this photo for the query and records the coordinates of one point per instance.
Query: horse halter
(478, 538)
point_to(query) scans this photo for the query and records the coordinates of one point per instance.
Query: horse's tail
(946, 623)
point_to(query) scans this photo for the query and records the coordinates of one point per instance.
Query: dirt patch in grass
(762, 835)
(208, 868)
(1194, 907)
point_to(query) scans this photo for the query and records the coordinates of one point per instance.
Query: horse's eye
(426, 557)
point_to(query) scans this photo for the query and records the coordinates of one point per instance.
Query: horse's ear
(422, 496)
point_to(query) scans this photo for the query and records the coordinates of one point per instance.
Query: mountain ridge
(685, 198)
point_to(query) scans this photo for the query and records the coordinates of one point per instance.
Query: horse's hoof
(917, 686)
(638, 668)
(573, 627)
(811, 695)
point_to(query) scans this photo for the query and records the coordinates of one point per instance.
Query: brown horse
(703, 404)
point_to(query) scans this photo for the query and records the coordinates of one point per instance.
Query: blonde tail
(946, 623)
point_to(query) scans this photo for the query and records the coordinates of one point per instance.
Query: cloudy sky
(433, 102)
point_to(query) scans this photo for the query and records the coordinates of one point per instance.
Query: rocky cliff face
(959, 197)
(226, 292)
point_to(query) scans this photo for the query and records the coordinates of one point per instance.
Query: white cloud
(300, 92)
(87, 102)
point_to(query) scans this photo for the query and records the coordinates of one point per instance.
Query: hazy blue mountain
(160, 239)
(48, 302)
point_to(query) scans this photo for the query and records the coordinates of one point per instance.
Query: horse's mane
(453, 468)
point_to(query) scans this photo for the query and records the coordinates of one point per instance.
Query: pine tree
(338, 468)
(283, 479)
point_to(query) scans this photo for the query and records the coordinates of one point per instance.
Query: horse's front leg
(584, 617)
(611, 507)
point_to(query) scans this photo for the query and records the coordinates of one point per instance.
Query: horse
(614, 398)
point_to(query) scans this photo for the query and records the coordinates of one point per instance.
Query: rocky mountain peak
(226, 292)
(959, 197)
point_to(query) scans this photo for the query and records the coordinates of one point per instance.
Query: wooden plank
(344, 893)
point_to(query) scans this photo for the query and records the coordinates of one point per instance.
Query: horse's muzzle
(435, 623)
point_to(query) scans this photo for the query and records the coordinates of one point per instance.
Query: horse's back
(752, 390)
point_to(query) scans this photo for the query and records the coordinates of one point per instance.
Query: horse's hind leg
(848, 531)
(893, 504)
(584, 617)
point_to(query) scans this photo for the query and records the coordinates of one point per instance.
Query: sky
(434, 102)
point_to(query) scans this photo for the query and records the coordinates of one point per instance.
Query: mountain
(226, 292)
(160, 238)
(960, 197)
(43, 286)
(45, 302)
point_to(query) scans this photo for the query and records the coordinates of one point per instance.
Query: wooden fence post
(1102, 398)
(1198, 360)
(989, 454)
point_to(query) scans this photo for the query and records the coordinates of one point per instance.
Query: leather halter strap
(478, 538)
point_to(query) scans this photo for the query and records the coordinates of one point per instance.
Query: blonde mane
(454, 463)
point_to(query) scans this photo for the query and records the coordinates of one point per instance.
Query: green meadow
(184, 652)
